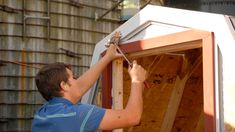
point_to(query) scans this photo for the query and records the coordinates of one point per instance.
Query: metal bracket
(26, 17)
(8, 9)
(70, 53)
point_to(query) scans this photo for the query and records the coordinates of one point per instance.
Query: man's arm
(131, 115)
(87, 80)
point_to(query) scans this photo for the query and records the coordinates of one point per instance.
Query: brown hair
(49, 78)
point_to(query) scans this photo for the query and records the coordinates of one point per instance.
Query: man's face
(73, 85)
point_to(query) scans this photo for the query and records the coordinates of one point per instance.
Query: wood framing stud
(208, 83)
(176, 97)
(117, 86)
(106, 87)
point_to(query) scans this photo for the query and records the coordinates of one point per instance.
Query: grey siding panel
(72, 28)
(20, 96)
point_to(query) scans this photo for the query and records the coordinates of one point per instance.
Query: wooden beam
(167, 41)
(173, 104)
(106, 87)
(208, 83)
(117, 85)
(176, 96)
(167, 49)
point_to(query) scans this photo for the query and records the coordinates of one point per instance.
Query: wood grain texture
(117, 86)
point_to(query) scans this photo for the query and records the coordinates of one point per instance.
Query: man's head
(50, 78)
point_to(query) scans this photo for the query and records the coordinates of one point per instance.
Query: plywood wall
(174, 101)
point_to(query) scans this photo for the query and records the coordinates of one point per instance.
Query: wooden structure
(179, 92)
(185, 59)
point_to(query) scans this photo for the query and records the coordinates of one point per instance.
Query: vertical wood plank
(106, 87)
(177, 96)
(208, 83)
(174, 104)
(117, 85)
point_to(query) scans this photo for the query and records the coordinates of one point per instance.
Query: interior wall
(165, 72)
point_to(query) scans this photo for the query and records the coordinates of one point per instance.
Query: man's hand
(137, 73)
(112, 53)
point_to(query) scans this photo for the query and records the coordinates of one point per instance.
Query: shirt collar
(60, 100)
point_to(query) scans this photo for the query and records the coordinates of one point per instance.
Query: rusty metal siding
(72, 28)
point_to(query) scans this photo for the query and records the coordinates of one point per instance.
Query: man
(63, 113)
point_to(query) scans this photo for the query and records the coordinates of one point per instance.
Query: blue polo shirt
(61, 115)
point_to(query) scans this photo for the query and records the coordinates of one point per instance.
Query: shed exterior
(156, 21)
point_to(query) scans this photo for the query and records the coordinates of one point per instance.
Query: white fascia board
(182, 18)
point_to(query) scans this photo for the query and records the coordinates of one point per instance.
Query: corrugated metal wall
(73, 33)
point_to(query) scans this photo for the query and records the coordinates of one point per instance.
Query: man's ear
(64, 86)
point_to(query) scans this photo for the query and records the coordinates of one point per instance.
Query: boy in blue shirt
(62, 90)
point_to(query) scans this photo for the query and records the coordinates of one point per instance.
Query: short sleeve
(92, 119)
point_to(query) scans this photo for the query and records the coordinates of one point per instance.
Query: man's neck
(74, 101)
